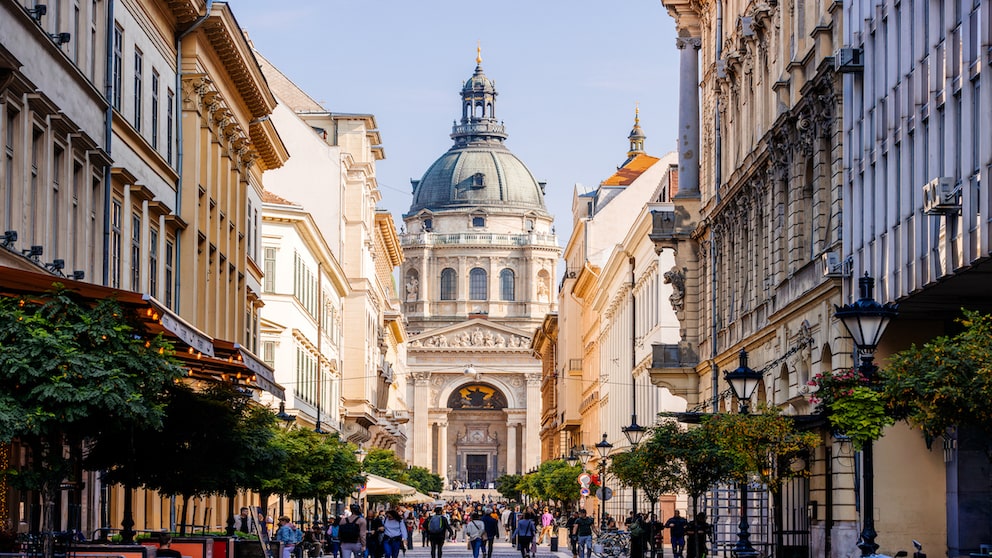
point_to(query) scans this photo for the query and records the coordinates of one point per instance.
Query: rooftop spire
(636, 136)
(478, 53)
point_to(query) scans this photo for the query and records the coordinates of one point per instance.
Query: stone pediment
(473, 335)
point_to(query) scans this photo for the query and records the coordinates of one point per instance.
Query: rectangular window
(74, 230)
(169, 255)
(269, 269)
(154, 131)
(115, 244)
(251, 232)
(75, 34)
(269, 353)
(93, 41)
(136, 252)
(32, 212)
(54, 242)
(170, 103)
(8, 167)
(139, 64)
(118, 68)
(153, 262)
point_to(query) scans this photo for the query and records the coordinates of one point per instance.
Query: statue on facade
(412, 289)
(676, 278)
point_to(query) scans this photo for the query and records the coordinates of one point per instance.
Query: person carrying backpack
(438, 529)
(352, 530)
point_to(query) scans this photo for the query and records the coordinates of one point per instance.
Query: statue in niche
(543, 292)
(676, 278)
(412, 289)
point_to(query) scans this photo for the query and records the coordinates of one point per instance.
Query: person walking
(697, 532)
(475, 534)
(352, 531)
(333, 542)
(547, 522)
(438, 529)
(571, 535)
(525, 532)
(289, 535)
(492, 532)
(393, 533)
(583, 528)
(676, 533)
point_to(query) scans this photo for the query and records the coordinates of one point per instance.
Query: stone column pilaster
(442, 451)
(422, 450)
(688, 116)
(511, 448)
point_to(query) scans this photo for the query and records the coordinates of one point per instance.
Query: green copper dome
(478, 170)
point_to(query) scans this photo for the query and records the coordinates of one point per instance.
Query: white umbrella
(417, 498)
(381, 486)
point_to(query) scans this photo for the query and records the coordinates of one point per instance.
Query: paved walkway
(501, 549)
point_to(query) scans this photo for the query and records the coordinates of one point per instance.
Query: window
(33, 213)
(115, 244)
(477, 287)
(136, 252)
(139, 64)
(58, 161)
(269, 269)
(169, 255)
(428, 225)
(478, 221)
(170, 104)
(75, 34)
(269, 353)
(93, 19)
(118, 68)
(74, 229)
(478, 180)
(449, 288)
(155, 81)
(506, 284)
(153, 261)
(8, 167)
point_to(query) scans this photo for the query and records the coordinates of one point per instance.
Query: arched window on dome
(477, 284)
(507, 285)
(449, 286)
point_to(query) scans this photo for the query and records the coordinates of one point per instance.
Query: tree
(946, 383)
(71, 371)
(509, 486)
(648, 468)
(425, 481)
(553, 480)
(385, 463)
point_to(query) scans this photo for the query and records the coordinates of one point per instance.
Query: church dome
(478, 170)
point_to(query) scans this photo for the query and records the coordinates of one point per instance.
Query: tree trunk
(230, 515)
(182, 521)
(127, 524)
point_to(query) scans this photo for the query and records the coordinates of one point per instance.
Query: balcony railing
(482, 239)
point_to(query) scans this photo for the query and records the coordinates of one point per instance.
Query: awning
(417, 498)
(201, 355)
(381, 486)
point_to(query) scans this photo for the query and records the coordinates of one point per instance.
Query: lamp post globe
(866, 320)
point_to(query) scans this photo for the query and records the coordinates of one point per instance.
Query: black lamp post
(866, 320)
(572, 459)
(603, 447)
(743, 381)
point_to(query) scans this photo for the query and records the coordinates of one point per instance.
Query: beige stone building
(615, 302)
(477, 279)
(335, 176)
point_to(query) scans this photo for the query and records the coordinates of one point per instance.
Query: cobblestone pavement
(501, 549)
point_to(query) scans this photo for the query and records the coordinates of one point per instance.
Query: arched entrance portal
(478, 419)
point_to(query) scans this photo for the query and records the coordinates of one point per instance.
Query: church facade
(480, 265)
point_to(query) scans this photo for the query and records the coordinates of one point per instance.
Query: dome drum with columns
(478, 279)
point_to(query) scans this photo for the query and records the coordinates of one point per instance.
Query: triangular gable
(473, 334)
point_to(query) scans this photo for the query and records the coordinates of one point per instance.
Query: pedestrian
(676, 533)
(352, 531)
(583, 528)
(242, 522)
(333, 541)
(393, 534)
(492, 532)
(438, 529)
(547, 521)
(289, 535)
(638, 534)
(374, 540)
(475, 534)
(525, 532)
(656, 540)
(571, 534)
(423, 529)
(697, 532)
(410, 522)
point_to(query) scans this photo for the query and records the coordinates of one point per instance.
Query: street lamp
(866, 320)
(584, 455)
(572, 459)
(743, 381)
(603, 447)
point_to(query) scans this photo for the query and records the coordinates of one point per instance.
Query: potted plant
(853, 407)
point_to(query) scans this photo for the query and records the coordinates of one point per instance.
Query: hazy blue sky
(568, 74)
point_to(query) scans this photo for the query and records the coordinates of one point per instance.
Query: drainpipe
(179, 145)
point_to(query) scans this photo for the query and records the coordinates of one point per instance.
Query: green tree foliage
(648, 468)
(385, 463)
(945, 383)
(553, 480)
(68, 372)
(509, 486)
(425, 481)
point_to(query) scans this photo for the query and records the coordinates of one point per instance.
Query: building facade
(481, 260)
(917, 110)
(615, 303)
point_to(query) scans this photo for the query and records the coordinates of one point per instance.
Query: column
(442, 451)
(511, 448)
(532, 430)
(422, 450)
(688, 116)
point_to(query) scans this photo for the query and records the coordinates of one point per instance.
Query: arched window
(477, 284)
(506, 285)
(449, 287)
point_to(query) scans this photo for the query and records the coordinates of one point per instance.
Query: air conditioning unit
(940, 196)
(849, 60)
(833, 266)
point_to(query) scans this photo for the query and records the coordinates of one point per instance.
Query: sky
(569, 74)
